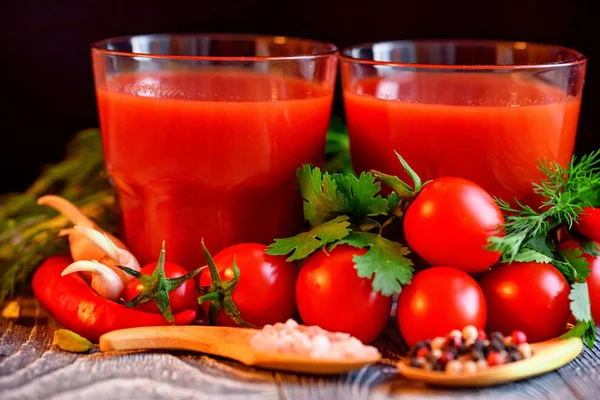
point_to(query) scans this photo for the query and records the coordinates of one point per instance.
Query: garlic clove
(74, 214)
(102, 241)
(105, 281)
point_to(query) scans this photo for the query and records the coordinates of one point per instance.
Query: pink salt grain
(311, 341)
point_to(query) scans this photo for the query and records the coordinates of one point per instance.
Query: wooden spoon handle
(219, 341)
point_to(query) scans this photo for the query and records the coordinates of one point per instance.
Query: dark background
(47, 87)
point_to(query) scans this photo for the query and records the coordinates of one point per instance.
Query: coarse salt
(311, 341)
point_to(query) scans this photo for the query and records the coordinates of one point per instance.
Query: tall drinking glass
(482, 110)
(203, 134)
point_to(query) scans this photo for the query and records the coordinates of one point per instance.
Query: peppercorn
(514, 355)
(469, 332)
(495, 358)
(476, 355)
(447, 356)
(438, 366)
(497, 344)
(438, 342)
(518, 337)
(422, 352)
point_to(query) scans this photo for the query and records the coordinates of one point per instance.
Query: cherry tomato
(593, 280)
(437, 301)
(264, 293)
(330, 294)
(185, 297)
(589, 223)
(449, 223)
(530, 297)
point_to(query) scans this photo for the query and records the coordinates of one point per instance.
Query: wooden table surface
(30, 368)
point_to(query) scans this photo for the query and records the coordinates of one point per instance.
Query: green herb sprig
(531, 233)
(29, 233)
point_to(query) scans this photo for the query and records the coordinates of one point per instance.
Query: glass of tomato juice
(482, 110)
(203, 134)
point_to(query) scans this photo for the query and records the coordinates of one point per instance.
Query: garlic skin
(105, 281)
(96, 253)
(102, 241)
(80, 246)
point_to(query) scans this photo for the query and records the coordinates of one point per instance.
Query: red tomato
(449, 223)
(530, 297)
(330, 294)
(437, 301)
(593, 280)
(589, 223)
(264, 293)
(185, 297)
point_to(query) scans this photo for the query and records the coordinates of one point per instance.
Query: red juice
(209, 155)
(488, 128)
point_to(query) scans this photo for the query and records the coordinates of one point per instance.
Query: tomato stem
(219, 293)
(209, 297)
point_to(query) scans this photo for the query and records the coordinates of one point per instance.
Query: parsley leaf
(393, 202)
(530, 255)
(583, 329)
(385, 262)
(590, 247)
(541, 244)
(580, 302)
(305, 243)
(581, 309)
(323, 201)
(577, 263)
(361, 194)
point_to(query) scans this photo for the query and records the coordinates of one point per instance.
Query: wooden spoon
(547, 356)
(226, 342)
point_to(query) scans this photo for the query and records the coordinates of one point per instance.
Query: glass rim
(577, 56)
(331, 49)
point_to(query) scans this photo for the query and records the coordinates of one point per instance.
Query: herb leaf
(323, 201)
(580, 302)
(530, 255)
(577, 263)
(590, 247)
(583, 329)
(541, 244)
(361, 194)
(305, 243)
(385, 262)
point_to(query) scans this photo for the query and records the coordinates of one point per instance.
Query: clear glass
(203, 135)
(482, 110)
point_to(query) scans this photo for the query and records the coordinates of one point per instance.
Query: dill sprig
(29, 233)
(530, 234)
(564, 193)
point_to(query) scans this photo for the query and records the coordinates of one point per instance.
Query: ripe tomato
(438, 300)
(264, 293)
(449, 223)
(330, 294)
(589, 223)
(185, 297)
(593, 280)
(530, 297)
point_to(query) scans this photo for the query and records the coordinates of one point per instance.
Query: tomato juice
(209, 155)
(488, 128)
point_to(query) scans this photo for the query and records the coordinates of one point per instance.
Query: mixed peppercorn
(469, 351)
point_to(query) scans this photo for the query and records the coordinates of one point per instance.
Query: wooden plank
(31, 369)
(583, 374)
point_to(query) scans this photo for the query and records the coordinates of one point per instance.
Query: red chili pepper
(73, 303)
